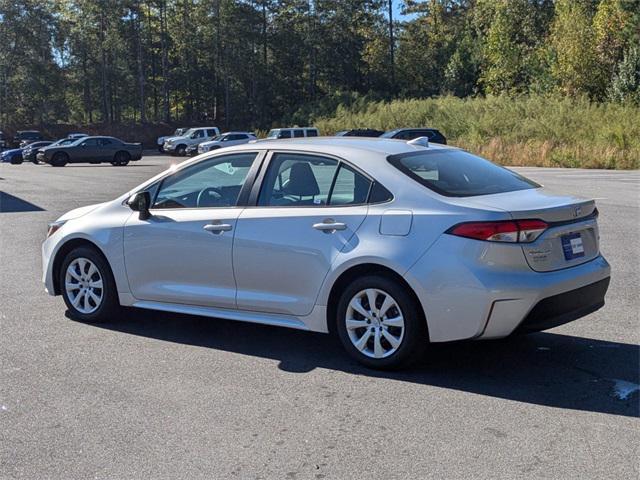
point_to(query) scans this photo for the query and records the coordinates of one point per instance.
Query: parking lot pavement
(157, 395)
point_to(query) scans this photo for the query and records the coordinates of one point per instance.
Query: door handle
(329, 225)
(217, 228)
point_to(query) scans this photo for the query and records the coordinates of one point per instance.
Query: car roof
(334, 145)
(88, 137)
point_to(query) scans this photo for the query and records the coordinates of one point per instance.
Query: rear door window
(349, 187)
(298, 133)
(456, 173)
(297, 180)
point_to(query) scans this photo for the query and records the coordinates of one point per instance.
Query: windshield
(456, 173)
(75, 141)
(273, 133)
(187, 133)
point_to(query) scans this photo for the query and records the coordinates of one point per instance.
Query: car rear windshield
(456, 173)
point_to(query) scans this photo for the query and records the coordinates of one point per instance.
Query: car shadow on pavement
(544, 368)
(11, 204)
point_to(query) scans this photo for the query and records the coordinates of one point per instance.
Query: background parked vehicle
(193, 136)
(410, 133)
(228, 139)
(93, 150)
(295, 132)
(178, 133)
(25, 137)
(13, 156)
(30, 152)
(360, 132)
(3, 141)
(40, 155)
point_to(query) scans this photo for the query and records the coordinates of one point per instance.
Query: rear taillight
(513, 231)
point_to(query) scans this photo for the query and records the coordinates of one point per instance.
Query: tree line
(258, 63)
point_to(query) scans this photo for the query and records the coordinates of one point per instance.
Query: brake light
(512, 231)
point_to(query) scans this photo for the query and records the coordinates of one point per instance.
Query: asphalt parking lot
(158, 395)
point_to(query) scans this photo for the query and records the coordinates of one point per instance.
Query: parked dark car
(360, 132)
(40, 156)
(92, 150)
(25, 137)
(30, 151)
(3, 141)
(410, 133)
(13, 156)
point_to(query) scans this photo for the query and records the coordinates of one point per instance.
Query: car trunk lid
(572, 237)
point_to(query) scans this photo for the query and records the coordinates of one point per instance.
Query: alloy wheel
(84, 285)
(374, 323)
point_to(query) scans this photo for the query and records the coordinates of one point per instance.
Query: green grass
(529, 130)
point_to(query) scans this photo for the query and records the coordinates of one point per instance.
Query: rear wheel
(379, 323)
(88, 287)
(121, 159)
(60, 159)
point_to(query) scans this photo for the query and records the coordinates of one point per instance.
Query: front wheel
(379, 323)
(88, 287)
(60, 159)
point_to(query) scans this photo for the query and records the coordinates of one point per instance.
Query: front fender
(103, 228)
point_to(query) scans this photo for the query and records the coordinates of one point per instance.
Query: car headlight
(54, 227)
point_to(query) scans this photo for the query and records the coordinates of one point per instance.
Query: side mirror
(140, 202)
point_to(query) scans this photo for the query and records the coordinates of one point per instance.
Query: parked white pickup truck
(178, 133)
(193, 136)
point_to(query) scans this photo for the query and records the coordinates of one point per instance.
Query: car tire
(385, 340)
(181, 150)
(16, 161)
(86, 270)
(161, 149)
(120, 159)
(60, 159)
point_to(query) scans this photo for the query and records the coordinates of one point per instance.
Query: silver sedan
(390, 245)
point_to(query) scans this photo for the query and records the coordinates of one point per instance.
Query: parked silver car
(386, 243)
(228, 139)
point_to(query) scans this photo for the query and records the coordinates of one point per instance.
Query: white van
(294, 132)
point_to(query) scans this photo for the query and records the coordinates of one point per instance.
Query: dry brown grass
(528, 130)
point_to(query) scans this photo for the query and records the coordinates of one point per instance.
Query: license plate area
(572, 246)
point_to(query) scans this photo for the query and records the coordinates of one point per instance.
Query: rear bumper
(565, 307)
(478, 290)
